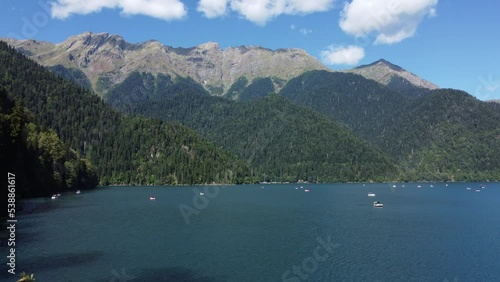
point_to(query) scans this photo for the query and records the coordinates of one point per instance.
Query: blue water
(250, 233)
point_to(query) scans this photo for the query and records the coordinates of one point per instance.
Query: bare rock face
(101, 55)
(384, 72)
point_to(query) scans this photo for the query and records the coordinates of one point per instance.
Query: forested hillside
(281, 141)
(41, 162)
(128, 150)
(447, 134)
(441, 134)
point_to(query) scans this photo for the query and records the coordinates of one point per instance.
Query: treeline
(41, 162)
(123, 149)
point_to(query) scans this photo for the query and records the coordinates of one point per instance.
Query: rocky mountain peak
(386, 73)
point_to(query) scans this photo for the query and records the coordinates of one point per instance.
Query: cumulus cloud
(392, 21)
(261, 11)
(213, 8)
(161, 9)
(341, 55)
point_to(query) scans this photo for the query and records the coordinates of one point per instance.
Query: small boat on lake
(54, 197)
(468, 188)
(202, 194)
(307, 190)
(78, 192)
(152, 198)
(371, 194)
(477, 190)
(377, 204)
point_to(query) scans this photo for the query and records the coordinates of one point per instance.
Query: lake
(264, 233)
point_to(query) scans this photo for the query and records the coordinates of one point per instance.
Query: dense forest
(442, 134)
(122, 149)
(281, 141)
(41, 162)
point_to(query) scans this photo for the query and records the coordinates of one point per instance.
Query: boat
(477, 190)
(431, 186)
(419, 186)
(152, 198)
(468, 188)
(377, 204)
(54, 197)
(394, 186)
(78, 192)
(202, 194)
(307, 190)
(371, 194)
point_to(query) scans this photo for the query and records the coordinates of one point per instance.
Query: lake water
(274, 233)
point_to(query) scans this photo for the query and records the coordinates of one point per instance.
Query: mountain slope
(107, 60)
(41, 163)
(280, 140)
(447, 134)
(131, 150)
(360, 104)
(443, 135)
(394, 77)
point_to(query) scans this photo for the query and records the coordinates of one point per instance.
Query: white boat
(468, 188)
(307, 190)
(394, 186)
(78, 192)
(152, 198)
(54, 197)
(477, 190)
(202, 194)
(377, 204)
(419, 186)
(431, 185)
(371, 194)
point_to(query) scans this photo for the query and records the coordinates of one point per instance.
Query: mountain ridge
(108, 59)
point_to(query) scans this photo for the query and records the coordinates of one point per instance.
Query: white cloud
(213, 8)
(392, 21)
(305, 31)
(340, 55)
(161, 9)
(261, 11)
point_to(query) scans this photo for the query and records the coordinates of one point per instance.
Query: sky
(454, 44)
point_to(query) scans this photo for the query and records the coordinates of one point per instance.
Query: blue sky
(454, 44)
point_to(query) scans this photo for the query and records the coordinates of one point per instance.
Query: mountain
(445, 134)
(279, 140)
(123, 149)
(107, 60)
(394, 77)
